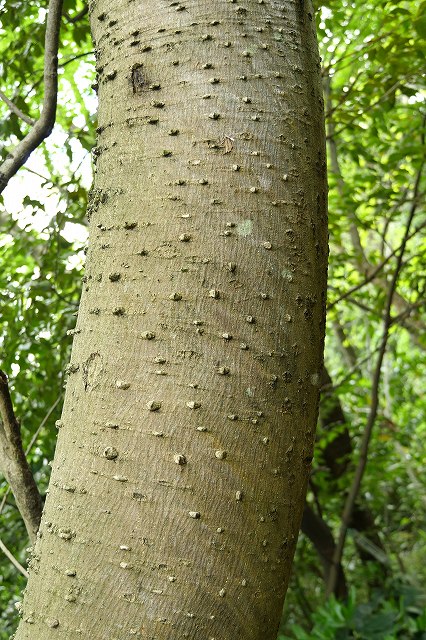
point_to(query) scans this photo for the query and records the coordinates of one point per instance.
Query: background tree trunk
(321, 536)
(187, 432)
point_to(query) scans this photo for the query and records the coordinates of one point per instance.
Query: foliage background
(373, 57)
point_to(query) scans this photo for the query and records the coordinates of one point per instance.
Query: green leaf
(420, 20)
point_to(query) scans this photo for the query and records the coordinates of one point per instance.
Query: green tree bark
(186, 438)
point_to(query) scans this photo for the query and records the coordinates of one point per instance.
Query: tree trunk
(336, 452)
(180, 473)
(321, 536)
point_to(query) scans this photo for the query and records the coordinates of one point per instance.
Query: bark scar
(92, 369)
(137, 78)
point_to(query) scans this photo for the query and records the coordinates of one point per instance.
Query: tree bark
(181, 467)
(14, 464)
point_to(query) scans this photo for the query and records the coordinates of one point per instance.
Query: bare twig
(42, 423)
(344, 96)
(362, 262)
(404, 318)
(78, 16)
(64, 63)
(388, 218)
(372, 105)
(33, 440)
(358, 52)
(353, 17)
(335, 168)
(361, 305)
(14, 463)
(13, 560)
(16, 110)
(43, 127)
(374, 272)
(3, 547)
(362, 463)
(333, 386)
(412, 307)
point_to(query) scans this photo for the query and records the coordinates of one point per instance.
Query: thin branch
(399, 319)
(384, 244)
(353, 17)
(43, 127)
(3, 547)
(361, 305)
(367, 545)
(402, 317)
(373, 273)
(39, 175)
(16, 110)
(42, 423)
(14, 463)
(357, 53)
(78, 16)
(362, 463)
(64, 63)
(335, 168)
(372, 105)
(334, 386)
(344, 95)
(13, 560)
(32, 441)
(413, 325)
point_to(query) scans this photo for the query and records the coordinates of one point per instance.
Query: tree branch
(325, 388)
(43, 127)
(78, 16)
(344, 96)
(362, 463)
(361, 260)
(13, 560)
(376, 270)
(16, 110)
(372, 105)
(357, 53)
(335, 168)
(33, 440)
(15, 465)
